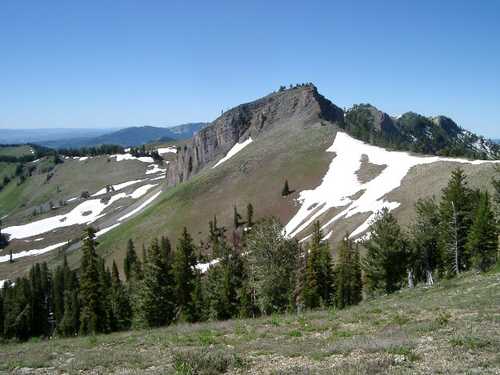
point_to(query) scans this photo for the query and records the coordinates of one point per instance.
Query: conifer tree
(155, 294)
(286, 189)
(385, 262)
(482, 243)
(70, 322)
(120, 302)
(131, 260)
(93, 315)
(2, 317)
(319, 284)
(348, 275)
(425, 256)
(224, 280)
(236, 218)
(249, 215)
(456, 209)
(272, 260)
(184, 271)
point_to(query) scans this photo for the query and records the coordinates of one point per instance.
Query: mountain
(337, 176)
(413, 132)
(23, 136)
(132, 136)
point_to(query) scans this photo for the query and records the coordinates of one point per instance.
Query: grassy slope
(449, 328)
(285, 152)
(16, 151)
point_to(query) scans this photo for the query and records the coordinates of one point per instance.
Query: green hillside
(451, 327)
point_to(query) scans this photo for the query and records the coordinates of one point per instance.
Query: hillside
(449, 328)
(243, 157)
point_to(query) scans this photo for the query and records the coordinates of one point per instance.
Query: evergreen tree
(70, 322)
(425, 236)
(130, 262)
(184, 271)
(249, 215)
(2, 317)
(236, 218)
(456, 209)
(120, 302)
(319, 286)
(93, 315)
(286, 189)
(224, 280)
(348, 275)
(155, 294)
(496, 186)
(482, 242)
(272, 259)
(385, 262)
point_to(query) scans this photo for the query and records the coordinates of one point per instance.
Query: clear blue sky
(111, 63)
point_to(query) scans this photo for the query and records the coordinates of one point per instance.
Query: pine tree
(286, 189)
(385, 262)
(482, 241)
(71, 321)
(130, 262)
(249, 215)
(184, 267)
(224, 280)
(348, 275)
(120, 302)
(156, 304)
(319, 285)
(236, 218)
(425, 236)
(93, 315)
(272, 260)
(456, 209)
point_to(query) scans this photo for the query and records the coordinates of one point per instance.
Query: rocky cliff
(302, 103)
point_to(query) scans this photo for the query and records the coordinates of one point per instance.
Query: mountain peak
(298, 105)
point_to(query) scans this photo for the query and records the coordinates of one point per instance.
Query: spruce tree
(456, 207)
(425, 256)
(236, 218)
(348, 275)
(249, 215)
(482, 242)
(224, 280)
(156, 305)
(131, 260)
(385, 262)
(319, 285)
(120, 302)
(93, 317)
(2, 317)
(184, 271)
(286, 189)
(70, 322)
(272, 260)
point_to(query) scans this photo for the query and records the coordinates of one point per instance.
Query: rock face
(302, 103)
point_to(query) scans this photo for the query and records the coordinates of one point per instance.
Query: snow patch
(155, 169)
(127, 156)
(141, 207)
(234, 150)
(27, 253)
(203, 267)
(85, 213)
(166, 150)
(117, 187)
(106, 230)
(341, 182)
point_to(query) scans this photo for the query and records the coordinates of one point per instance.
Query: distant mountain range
(75, 138)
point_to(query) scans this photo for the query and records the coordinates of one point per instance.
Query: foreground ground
(451, 328)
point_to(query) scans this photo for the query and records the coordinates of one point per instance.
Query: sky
(108, 63)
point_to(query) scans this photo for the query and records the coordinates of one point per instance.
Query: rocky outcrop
(302, 103)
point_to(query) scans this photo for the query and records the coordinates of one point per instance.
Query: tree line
(91, 151)
(254, 269)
